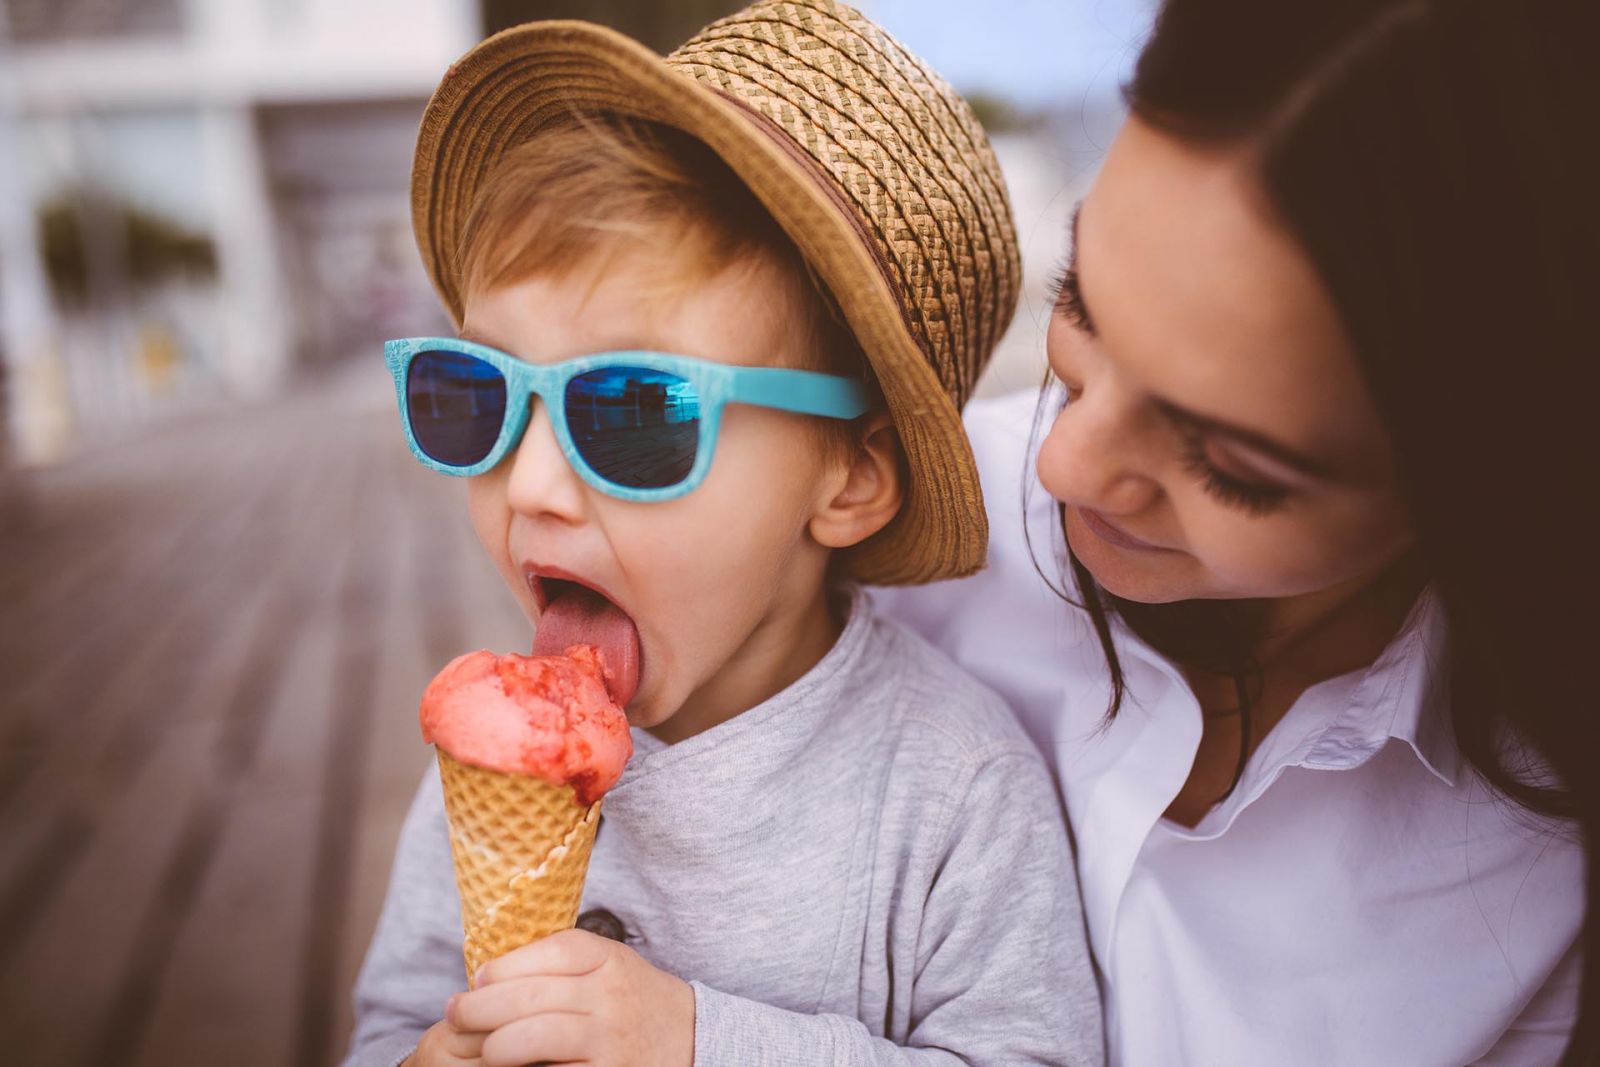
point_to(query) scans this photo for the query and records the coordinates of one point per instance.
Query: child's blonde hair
(577, 192)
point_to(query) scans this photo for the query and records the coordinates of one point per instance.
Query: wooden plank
(119, 696)
(157, 572)
(342, 782)
(88, 776)
(217, 781)
(154, 845)
(396, 758)
(66, 968)
(197, 852)
(227, 995)
(254, 905)
(140, 493)
(135, 618)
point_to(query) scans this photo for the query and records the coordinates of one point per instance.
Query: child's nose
(542, 481)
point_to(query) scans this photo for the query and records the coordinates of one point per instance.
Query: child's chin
(645, 713)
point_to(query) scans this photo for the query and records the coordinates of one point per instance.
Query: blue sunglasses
(635, 425)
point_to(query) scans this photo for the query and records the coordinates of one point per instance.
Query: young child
(718, 314)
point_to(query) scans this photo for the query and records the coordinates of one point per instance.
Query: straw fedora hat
(874, 167)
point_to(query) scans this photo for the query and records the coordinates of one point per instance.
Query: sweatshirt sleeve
(1002, 973)
(414, 962)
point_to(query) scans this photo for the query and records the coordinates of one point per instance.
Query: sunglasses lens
(456, 404)
(636, 428)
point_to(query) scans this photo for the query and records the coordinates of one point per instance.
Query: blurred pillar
(257, 323)
(38, 419)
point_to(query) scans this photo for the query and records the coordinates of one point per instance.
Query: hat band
(830, 188)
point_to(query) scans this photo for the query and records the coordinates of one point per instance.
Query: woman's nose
(541, 480)
(1092, 456)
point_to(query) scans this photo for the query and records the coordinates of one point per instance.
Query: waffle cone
(521, 849)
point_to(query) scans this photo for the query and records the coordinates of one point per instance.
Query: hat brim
(528, 77)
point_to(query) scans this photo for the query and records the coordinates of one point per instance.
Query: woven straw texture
(521, 848)
(874, 166)
(905, 149)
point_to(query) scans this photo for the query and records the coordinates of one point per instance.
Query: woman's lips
(1103, 529)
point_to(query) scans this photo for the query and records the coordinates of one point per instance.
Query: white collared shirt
(1360, 898)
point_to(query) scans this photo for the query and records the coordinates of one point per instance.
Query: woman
(1318, 466)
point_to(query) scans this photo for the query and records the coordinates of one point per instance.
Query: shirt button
(603, 922)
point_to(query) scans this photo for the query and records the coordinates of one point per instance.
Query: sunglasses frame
(717, 385)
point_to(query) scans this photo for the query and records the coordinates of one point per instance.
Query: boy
(749, 286)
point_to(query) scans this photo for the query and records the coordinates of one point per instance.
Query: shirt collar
(1340, 723)
(1404, 696)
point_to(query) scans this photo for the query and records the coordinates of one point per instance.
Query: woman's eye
(1255, 498)
(1067, 298)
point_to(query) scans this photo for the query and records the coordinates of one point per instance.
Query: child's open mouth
(573, 613)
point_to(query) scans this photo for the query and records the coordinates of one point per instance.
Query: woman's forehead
(1203, 299)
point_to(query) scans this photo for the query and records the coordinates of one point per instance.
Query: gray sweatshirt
(869, 868)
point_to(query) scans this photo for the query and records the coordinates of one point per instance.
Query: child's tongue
(583, 617)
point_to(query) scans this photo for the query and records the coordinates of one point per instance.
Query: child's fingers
(554, 1037)
(442, 1045)
(463, 1044)
(493, 1006)
(564, 952)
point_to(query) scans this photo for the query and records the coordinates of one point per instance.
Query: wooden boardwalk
(213, 640)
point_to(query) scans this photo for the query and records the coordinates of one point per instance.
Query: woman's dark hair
(1439, 161)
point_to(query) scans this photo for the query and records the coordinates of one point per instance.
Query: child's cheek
(491, 520)
(686, 573)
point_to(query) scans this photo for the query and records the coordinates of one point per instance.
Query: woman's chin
(1132, 574)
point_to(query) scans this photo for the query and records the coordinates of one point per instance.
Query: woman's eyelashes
(1067, 298)
(1256, 498)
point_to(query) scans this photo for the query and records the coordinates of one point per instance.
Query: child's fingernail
(450, 1010)
(477, 979)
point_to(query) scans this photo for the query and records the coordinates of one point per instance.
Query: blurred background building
(205, 198)
(223, 580)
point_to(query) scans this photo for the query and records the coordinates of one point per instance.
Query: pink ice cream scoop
(550, 717)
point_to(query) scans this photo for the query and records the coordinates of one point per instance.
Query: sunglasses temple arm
(802, 392)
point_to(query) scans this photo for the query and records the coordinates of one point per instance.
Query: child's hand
(576, 997)
(445, 1046)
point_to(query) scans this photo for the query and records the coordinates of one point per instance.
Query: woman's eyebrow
(1287, 456)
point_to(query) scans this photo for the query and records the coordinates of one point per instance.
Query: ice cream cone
(521, 847)
(527, 746)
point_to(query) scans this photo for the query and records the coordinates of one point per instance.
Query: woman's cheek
(1250, 562)
(1278, 555)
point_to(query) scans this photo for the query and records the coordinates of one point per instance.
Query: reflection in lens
(456, 404)
(635, 427)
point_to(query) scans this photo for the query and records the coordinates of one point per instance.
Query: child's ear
(865, 491)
